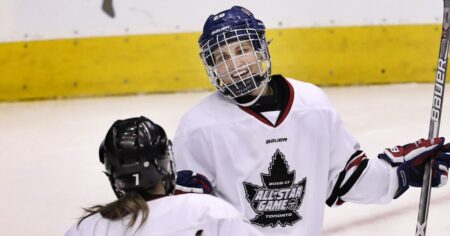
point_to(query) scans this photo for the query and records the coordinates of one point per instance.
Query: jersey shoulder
(205, 205)
(210, 111)
(86, 227)
(308, 95)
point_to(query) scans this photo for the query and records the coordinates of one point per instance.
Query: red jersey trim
(283, 114)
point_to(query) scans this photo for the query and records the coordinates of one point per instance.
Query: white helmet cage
(237, 61)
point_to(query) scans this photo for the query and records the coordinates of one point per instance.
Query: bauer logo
(276, 140)
(278, 200)
(220, 30)
(439, 89)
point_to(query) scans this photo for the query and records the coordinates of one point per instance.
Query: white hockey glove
(410, 161)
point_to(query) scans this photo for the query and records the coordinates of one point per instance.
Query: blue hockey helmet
(228, 20)
(236, 26)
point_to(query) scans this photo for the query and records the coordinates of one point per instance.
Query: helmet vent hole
(146, 164)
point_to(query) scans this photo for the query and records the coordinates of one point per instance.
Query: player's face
(236, 61)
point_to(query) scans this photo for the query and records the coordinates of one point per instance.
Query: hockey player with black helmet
(275, 147)
(138, 161)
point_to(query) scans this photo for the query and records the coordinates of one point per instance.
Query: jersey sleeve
(353, 176)
(191, 152)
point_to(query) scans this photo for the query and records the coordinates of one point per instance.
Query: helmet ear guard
(137, 155)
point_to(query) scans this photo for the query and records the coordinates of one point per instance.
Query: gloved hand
(440, 168)
(410, 162)
(191, 182)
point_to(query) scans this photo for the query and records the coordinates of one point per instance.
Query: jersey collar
(285, 88)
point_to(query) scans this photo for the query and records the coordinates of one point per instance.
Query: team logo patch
(278, 200)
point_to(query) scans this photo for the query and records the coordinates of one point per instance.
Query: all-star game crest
(278, 200)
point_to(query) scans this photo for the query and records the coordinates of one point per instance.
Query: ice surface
(49, 165)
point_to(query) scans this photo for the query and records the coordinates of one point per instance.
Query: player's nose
(239, 61)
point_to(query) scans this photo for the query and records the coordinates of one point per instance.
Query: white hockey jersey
(281, 169)
(180, 215)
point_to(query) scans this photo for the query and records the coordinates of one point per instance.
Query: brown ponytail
(131, 203)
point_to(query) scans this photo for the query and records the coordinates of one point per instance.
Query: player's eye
(222, 58)
(243, 50)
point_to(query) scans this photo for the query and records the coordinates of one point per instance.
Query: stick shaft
(435, 120)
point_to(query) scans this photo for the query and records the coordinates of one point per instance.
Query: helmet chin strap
(253, 101)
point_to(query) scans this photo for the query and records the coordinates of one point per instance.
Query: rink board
(170, 62)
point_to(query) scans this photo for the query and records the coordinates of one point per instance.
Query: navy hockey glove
(410, 162)
(440, 167)
(191, 182)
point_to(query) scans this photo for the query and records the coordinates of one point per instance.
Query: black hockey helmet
(137, 155)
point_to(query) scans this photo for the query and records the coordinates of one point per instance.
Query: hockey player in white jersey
(275, 147)
(138, 162)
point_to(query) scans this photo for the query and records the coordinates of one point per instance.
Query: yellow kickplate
(170, 62)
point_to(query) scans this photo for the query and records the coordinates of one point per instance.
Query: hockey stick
(435, 120)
